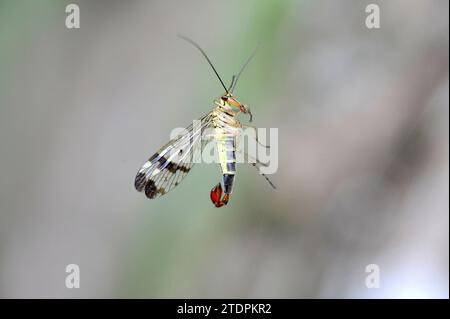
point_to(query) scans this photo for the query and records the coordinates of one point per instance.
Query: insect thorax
(224, 117)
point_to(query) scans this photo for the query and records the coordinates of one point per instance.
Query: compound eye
(225, 98)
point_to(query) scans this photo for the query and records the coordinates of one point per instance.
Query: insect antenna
(204, 54)
(243, 67)
(232, 82)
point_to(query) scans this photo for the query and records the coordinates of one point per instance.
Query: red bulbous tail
(216, 196)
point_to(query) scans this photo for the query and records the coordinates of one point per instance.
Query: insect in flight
(172, 162)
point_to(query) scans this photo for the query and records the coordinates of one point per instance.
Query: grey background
(363, 149)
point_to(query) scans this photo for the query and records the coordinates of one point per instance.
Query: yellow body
(226, 129)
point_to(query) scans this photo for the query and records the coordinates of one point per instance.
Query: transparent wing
(171, 163)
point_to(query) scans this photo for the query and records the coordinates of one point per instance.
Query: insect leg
(244, 126)
(257, 164)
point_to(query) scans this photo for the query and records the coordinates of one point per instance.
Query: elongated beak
(233, 102)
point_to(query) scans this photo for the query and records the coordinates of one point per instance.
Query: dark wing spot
(162, 160)
(184, 168)
(139, 182)
(150, 189)
(171, 166)
(153, 157)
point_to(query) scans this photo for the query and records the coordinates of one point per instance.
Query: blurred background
(363, 172)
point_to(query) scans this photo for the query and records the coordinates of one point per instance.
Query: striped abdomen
(226, 130)
(227, 153)
(226, 147)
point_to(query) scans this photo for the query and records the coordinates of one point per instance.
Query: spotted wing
(171, 163)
